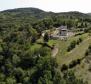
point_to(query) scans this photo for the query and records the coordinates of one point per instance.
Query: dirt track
(54, 51)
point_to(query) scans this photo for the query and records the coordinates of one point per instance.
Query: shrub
(87, 30)
(86, 53)
(71, 46)
(79, 41)
(46, 37)
(78, 61)
(64, 67)
(74, 63)
(33, 39)
(79, 34)
(89, 47)
(89, 67)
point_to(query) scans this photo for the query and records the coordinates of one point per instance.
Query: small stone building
(63, 31)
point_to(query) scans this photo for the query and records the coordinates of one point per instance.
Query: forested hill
(26, 13)
(36, 17)
(42, 20)
(89, 14)
(25, 57)
(75, 14)
(38, 13)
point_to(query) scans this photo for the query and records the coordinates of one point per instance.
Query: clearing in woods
(64, 57)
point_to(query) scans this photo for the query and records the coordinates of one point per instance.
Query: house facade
(63, 31)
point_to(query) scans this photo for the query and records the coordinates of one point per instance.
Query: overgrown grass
(65, 57)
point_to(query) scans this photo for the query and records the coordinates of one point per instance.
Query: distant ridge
(89, 14)
(31, 9)
(38, 13)
(32, 15)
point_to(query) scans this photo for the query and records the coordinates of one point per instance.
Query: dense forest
(21, 62)
(41, 20)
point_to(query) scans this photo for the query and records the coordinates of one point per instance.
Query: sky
(49, 5)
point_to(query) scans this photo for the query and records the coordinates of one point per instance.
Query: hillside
(89, 14)
(42, 20)
(38, 13)
(75, 14)
(27, 57)
(33, 14)
(27, 14)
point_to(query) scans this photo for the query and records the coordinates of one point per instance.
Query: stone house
(63, 31)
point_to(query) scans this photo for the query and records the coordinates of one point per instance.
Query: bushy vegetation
(79, 41)
(74, 43)
(46, 37)
(87, 30)
(74, 63)
(71, 46)
(88, 52)
(22, 59)
(71, 79)
(41, 20)
(21, 63)
(79, 34)
(64, 67)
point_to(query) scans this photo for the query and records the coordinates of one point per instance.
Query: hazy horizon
(48, 5)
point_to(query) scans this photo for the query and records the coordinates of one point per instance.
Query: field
(64, 57)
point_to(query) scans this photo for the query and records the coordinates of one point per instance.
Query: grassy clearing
(65, 57)
(52, 42)
(76, 53)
